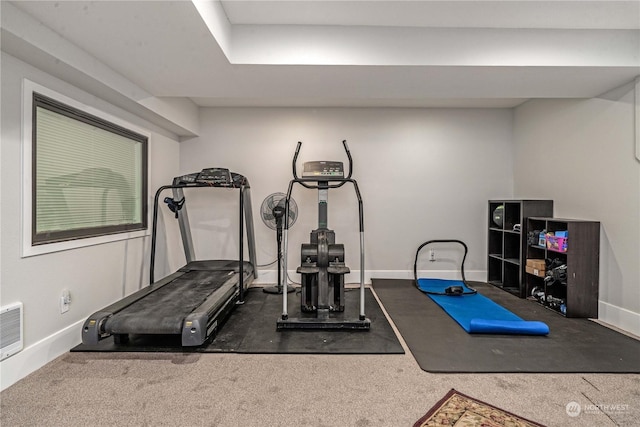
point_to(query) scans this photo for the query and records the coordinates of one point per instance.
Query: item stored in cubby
(556, 243)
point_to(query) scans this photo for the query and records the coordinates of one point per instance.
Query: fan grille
(272, 201)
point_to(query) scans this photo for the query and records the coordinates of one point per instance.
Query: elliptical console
(322, 263)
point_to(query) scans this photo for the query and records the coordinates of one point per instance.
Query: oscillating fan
(273, 212)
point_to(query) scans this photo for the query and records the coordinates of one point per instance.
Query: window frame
(81, 112)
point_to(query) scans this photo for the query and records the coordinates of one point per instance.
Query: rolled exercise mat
(476, 313)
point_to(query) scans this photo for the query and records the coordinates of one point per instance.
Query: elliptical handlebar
(346, 149)
(295, 160)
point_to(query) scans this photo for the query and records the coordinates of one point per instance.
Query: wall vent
(10, 329)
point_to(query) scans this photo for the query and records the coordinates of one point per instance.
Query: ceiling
(363, 53)
(443, 14)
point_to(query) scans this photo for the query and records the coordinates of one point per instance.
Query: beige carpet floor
(162, 389)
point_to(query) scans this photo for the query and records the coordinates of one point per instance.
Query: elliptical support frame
(324, 184)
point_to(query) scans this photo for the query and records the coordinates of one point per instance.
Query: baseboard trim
(619, 317)
(269, 277)
(472, 275)
(35, 356)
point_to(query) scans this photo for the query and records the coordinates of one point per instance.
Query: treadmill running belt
(162, 311)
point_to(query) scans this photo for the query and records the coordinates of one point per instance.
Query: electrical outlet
(432, 255)
(65, 301)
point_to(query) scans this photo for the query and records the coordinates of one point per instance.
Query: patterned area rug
(456, 409)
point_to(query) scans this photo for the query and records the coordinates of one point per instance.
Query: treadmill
(194, 301)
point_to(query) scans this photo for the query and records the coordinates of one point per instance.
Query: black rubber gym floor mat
(251, 328)
(439, 344)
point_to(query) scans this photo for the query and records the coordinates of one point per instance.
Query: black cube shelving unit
(577, 296)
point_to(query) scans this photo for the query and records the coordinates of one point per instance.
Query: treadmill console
(323, 169)
(216, 177)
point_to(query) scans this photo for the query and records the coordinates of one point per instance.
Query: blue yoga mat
(476, 313)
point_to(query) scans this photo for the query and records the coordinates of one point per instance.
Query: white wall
(95, 276)
(580, 153)
(423, 174)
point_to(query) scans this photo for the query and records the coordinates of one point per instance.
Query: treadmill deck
(163, 310)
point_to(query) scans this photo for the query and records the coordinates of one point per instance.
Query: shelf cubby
(507, 240)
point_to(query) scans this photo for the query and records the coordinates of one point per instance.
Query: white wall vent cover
(10, 329)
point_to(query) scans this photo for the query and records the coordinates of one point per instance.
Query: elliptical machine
(322, 260)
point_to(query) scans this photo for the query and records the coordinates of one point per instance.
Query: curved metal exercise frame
(332, 183)
(464, 257)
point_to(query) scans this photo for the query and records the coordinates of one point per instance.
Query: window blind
(89, 175)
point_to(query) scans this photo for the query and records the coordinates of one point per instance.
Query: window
(88, 175)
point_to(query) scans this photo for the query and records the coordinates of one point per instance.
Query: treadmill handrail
(244, 198)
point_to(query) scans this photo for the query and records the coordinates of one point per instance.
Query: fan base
(277, 289)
